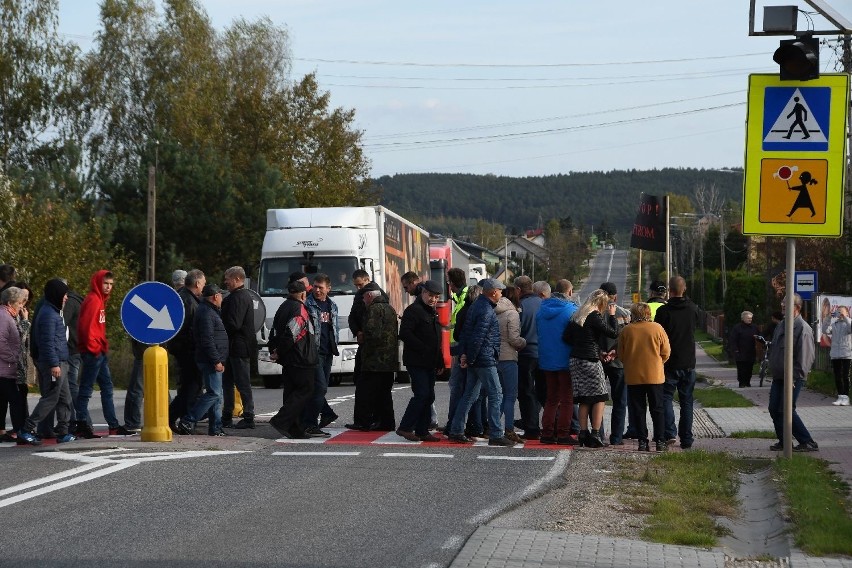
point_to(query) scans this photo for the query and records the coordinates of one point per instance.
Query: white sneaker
(839, 401)
(845, 401)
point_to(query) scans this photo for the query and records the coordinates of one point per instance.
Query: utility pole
(722, 251)
(151, 244)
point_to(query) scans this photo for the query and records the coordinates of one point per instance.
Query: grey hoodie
(510, 330)
(841, 340)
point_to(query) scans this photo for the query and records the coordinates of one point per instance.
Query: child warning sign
(793, 191)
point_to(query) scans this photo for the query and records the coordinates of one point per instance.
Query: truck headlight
(348, 354)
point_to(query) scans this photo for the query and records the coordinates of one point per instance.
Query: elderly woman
(742, 347)
(591, 387)
(13, 300)
(643, 347)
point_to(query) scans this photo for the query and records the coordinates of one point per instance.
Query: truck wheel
(272, 381)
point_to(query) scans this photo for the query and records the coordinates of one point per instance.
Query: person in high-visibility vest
(458, 293)
(659, 291)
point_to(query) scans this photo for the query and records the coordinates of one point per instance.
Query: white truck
(336, 241)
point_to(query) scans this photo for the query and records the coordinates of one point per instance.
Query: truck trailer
(336, 241)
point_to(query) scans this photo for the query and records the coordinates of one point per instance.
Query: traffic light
(798, 58)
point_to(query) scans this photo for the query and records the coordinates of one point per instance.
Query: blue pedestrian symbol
(152, 313)
(796, 119)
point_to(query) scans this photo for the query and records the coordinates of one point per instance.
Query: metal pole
(788, 348)
(152, 224)
(668, 241)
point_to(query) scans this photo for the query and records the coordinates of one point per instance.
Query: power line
(394, 146)
(546, 119)
(524, 65)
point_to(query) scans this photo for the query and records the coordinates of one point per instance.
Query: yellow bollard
(155, 369)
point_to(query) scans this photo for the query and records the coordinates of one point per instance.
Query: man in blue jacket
(324, 315)
(51, 354)
(211, 354)
(480, 353)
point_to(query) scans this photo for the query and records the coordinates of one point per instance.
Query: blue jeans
(618, 391)
(318, 404)
(210, 402)
(776, 411)
(508, 371)
(95, 368)
(477, 377)
(133, 400)
(418, 413)
(458, 376)
(682, 381)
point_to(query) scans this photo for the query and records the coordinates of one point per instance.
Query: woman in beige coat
(507, 366)
(643, 347)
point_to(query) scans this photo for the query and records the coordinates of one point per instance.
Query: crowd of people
(540, 348)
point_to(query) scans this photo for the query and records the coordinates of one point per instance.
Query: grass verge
(683, 493)
(711, 346)
(720, 397)
(818, 505)
(821, 382)
(762, 434)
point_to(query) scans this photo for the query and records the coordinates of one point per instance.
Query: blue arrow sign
(152, 313)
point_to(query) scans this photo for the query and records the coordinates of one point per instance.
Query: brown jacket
(643, 347)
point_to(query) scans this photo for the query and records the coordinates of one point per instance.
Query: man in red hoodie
(94, 349)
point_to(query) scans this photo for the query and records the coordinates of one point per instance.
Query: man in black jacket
(238, 316)
(211, 353)
(357, 315)
(679, 317)
(182, 346)
(420, 333)
(293, 346)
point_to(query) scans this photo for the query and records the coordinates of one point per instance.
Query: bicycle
(764, 363)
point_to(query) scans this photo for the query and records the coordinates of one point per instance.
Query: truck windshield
(274, 273)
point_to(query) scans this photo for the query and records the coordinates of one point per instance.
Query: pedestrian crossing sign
(796, 149)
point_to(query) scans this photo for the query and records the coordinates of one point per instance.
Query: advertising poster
(394, 263)
(827, 307)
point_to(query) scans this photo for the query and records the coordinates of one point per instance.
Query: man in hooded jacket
(50, 347)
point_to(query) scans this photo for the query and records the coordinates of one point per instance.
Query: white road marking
(113, 462)
(562, 459)
(517, 458)
(316, 453)
(415, 455)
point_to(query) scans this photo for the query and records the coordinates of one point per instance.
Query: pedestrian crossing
(343, 436)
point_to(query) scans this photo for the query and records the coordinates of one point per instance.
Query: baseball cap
(658, 286)
(491, 284)
(210, 290)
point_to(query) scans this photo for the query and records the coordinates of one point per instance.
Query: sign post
(152, 313)
(796, 151)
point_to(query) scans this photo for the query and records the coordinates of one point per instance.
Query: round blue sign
(152, 313)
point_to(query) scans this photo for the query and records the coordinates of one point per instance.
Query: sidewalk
(830, 426)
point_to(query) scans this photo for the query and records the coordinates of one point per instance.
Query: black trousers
(298, 389)
(374, 400)
(237, 374)
(641, 398)
(744, 369)
(189, 386)
(841, 375)
(528, 400)
(10, 394)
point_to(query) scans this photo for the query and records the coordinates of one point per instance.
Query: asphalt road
(254, 501)
(608, 266)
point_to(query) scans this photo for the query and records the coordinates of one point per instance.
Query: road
(258, 501)
(608, 266)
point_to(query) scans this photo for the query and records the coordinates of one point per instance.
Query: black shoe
(315, 432)
(583, 437)
(185, 428)
(245, 424)
(219, 434)
(359, 427)
(8, 437)
(531, 435)
(567, 441)
(275, 422)
(519, 424)
(123, 431)
(686, 446)
(547, 440)
(807, 447)
(86, 432)
(777, 447)
(504, 442)
(326, 420)
(614, 442)
(430, 438)
(662, 447)
(471, 434)
(459, 438)
(410, 436)
(298, 434)
(643, 446)
(629, 436)
(593, 440)
(227, 423)
(384, 428)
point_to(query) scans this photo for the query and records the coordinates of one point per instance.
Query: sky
(523, 88)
